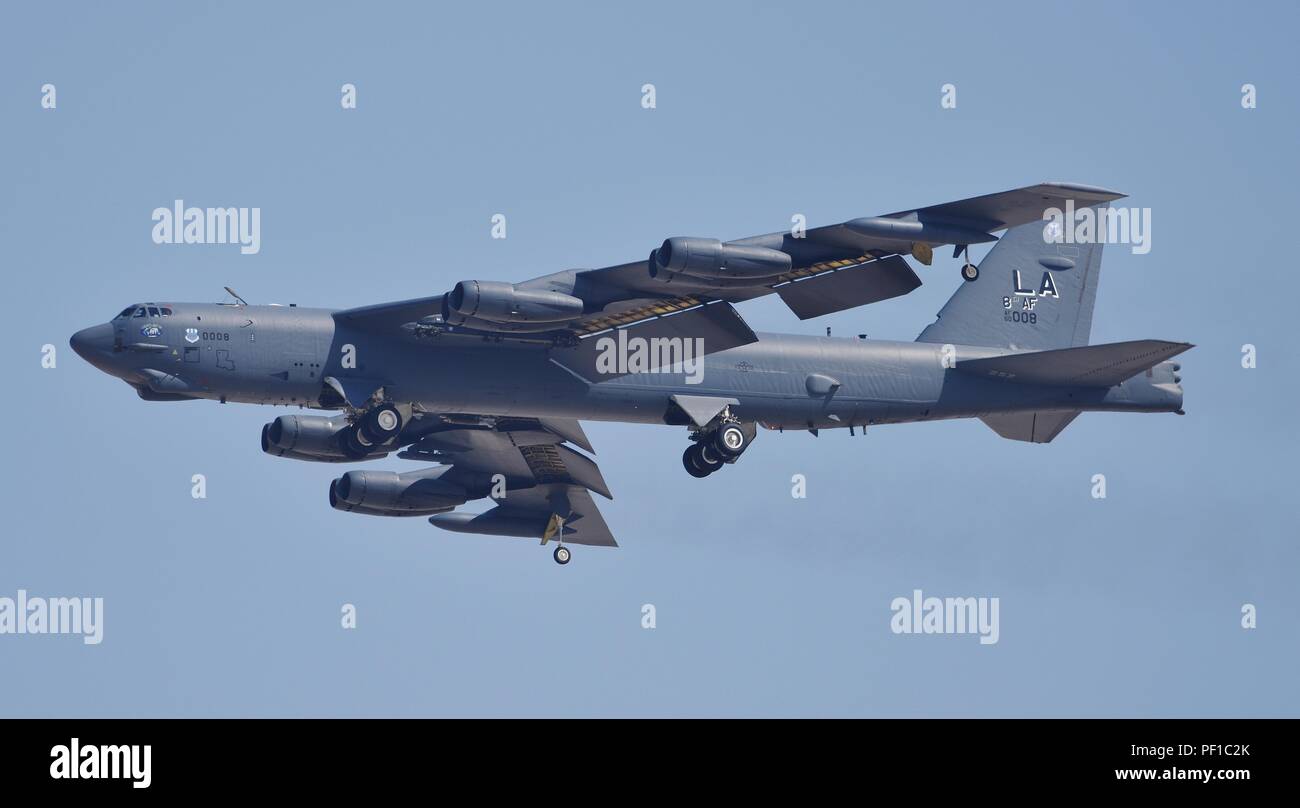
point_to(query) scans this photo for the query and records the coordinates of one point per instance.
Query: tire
(730, 441)
(382, 423)
(691, 460)
(562, 555)
(355, 444)
(970, 272)
(708, 458)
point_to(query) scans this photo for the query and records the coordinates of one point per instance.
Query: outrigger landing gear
(555, 530)
(969, 271)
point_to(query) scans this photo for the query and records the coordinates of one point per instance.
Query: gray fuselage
(282, 355)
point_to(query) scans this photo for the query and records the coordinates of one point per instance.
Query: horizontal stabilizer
(1031, 427)
(673, 341)
(1086, 366)
(847, 288)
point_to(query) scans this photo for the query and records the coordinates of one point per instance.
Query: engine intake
(709, 260)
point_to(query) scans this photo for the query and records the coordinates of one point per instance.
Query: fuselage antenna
(233, 294)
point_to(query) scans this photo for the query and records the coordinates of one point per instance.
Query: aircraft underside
(488, 382)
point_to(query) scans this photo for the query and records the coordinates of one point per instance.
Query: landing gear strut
(969, 271)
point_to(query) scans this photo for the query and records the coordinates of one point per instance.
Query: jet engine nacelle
(414, 493)
(306, 437)
(709, 260)
(501, 302)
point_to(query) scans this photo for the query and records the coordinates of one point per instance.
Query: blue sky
(766, 604)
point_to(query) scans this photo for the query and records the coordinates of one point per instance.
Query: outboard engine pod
(708, 259)
(409, 494)
(500, 302)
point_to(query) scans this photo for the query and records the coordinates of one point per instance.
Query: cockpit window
(144, 311)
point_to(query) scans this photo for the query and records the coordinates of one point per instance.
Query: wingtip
(1078, 187)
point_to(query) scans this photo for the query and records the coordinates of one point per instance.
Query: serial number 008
(1020, 316)
(217, 336)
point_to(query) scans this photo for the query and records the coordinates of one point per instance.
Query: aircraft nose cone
(93, 344)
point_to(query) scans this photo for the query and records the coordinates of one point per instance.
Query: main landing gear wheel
(701, 460)
(970, 272)
(356, 444)
(382, 423)
(562, 555)
(730, 440)
(691, 460)
(709, 459)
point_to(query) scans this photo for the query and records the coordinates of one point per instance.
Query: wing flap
(849, 288)
(544, 477)
(569, 430)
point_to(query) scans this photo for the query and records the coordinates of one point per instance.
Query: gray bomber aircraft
(489, 380)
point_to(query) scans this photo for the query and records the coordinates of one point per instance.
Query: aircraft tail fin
(1029, 294)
